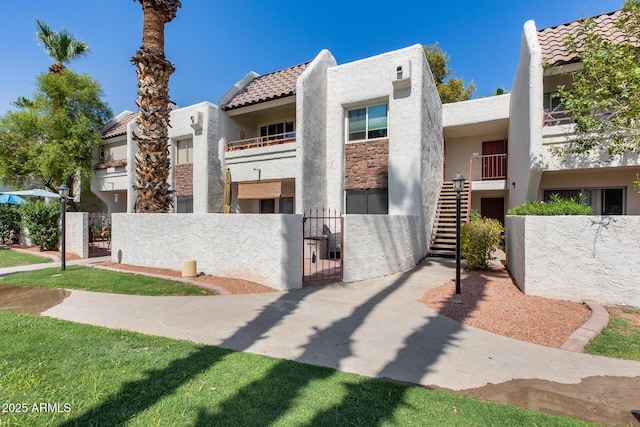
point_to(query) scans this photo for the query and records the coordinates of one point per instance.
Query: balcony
(262, 141)
(488, 172)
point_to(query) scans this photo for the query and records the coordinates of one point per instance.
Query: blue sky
(213, 44)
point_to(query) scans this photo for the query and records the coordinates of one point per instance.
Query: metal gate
(99, 234)
(323, 247)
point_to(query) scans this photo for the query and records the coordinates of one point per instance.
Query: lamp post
(64, 192)
(458, 185)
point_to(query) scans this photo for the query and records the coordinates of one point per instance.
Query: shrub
(479, 239)
(10, 223)
(40, 220)
(556, 206)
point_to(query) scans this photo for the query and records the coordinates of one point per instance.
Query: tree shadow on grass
(271, 397)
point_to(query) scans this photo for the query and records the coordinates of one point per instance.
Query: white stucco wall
(208, 184)
(576, 257)
(415, 123)
(262, 248)
(476, 111)
(265, 163)
(311, 134)
(77, 233)
(525, 159)
(378, 245)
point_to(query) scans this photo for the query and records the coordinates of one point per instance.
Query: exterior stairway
(443, 236)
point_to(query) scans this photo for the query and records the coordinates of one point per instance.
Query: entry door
(492, 207)
(493, 167)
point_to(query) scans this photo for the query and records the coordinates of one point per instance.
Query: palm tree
(153, 70)
(61, 46)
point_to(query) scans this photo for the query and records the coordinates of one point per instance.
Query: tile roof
(279, 84)
(552, 38)
(118, 126)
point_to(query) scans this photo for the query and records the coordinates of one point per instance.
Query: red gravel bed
(492, 302)
(234, 286)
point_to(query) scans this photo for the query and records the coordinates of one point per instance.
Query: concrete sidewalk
(376, 328)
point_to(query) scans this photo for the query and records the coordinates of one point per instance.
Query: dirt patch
(629, 314)
(30, 300)
(492, 302)
(608, 400)
(233, 286)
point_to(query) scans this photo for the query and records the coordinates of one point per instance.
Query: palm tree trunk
(153, 70)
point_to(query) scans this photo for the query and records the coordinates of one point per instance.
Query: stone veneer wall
(576, 258)
(184, 180)
(366, 165)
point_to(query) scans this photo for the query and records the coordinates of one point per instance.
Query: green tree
(51, 137)
(62, 46)
(604, 100)
(450, 89)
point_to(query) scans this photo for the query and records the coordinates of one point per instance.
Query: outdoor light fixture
(458, 186)
(64, 193)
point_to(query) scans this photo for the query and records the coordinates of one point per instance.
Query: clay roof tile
(552, 39)
(275, 85)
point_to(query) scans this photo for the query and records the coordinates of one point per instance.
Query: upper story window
(368, 122)
(554, 112)
(184, 151)
(277, 130)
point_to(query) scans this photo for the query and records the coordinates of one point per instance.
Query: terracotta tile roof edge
(117, 126)
(233, 102)
(578, 20)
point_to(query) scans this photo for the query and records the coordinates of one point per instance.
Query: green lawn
(9, 258)
(96, 376)
(97, 280)
(620, 339)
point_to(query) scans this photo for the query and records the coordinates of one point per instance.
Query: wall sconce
(116, 197)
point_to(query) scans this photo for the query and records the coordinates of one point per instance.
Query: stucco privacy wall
(576, 257)
(378, 245)
(311, 134)
(263, 248)
(77, 233)
(525, 125)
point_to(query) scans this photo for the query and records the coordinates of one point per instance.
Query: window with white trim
(368, 122)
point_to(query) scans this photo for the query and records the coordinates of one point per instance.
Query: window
(612, 201)
(604, 201)
(554, 112)
(277, 130)
(268, 206)
(371, 201)
(286, 205)
(185, 204)
(184, 151)
(368, 122)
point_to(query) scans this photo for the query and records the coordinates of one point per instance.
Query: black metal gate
(99, 234)
(323, 247)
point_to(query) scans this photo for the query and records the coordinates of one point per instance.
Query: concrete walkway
(376, 328)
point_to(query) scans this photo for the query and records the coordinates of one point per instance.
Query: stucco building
(371, 137)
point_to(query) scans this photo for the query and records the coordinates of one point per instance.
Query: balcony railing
(562, 117)
(493, 166)
(555, 118)
(262, 141)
